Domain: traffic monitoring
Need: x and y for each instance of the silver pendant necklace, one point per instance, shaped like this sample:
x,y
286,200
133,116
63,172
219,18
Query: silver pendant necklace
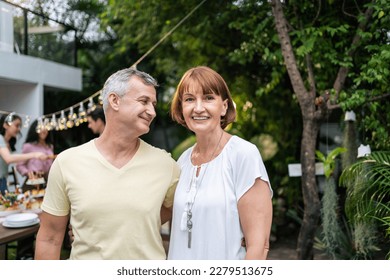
x,y
194,191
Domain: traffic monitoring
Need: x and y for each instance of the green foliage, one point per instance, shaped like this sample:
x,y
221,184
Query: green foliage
x,y
368,185
329,160
353,241
267,146
179,149
368,190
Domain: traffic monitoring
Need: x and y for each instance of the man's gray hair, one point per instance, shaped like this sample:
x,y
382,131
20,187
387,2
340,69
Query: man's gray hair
x,y
119,83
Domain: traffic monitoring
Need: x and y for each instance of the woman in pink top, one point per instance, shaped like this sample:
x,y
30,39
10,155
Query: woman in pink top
x,y
36,141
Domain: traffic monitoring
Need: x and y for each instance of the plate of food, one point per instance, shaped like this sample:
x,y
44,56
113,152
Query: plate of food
x,y
11,203
36,181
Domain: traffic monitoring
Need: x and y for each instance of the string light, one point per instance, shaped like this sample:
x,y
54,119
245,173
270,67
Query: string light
x,y
91,105
82,114
67,118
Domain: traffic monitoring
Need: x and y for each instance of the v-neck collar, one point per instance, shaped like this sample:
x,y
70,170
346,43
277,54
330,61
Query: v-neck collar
x,y
125,167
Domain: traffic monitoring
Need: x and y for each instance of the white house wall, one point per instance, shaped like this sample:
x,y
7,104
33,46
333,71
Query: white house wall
x,y
36,70
25,99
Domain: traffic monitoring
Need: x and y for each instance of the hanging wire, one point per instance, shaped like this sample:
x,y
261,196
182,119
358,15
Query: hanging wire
x,y
70,108
327,134
167,34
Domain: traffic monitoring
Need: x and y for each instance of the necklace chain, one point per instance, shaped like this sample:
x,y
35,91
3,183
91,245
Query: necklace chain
x,y
215,149
191,202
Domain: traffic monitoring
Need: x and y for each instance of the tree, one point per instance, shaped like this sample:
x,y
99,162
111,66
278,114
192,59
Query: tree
x,y
315,108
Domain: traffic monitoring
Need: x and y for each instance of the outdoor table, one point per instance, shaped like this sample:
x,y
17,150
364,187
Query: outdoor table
x,y
8,235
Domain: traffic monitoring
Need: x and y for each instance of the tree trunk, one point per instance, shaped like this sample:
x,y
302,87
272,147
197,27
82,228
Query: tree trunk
x,y
311,199
309,136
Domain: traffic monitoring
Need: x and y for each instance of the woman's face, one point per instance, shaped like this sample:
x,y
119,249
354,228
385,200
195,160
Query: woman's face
x,y
13,128
202,112
43,134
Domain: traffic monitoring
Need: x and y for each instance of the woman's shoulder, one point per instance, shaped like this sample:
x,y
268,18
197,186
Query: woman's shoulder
x,y
239,145
185,156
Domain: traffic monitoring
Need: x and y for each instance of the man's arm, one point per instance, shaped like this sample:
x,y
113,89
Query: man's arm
x,y
50,236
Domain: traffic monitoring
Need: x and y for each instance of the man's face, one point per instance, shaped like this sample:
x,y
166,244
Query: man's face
x,y
93,125
137,107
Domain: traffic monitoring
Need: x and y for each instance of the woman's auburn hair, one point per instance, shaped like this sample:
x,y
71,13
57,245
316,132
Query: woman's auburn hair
x,y
209,81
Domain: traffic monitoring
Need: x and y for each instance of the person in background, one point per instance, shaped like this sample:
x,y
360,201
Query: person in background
x,y
119,188
96,120
10,126
222,207
36,141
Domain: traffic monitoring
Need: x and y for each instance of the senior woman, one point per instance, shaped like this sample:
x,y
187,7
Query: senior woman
x,y
222,207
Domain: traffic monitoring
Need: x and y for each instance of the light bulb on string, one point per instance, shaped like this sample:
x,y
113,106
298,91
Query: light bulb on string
x,y
9,118
91,105
39,127
101,99
77,121
26,122
53,122
71,118
46,124
82,114
62,121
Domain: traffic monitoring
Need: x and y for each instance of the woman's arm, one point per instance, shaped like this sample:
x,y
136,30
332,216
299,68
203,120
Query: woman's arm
x,y
21,166
12,158
255,211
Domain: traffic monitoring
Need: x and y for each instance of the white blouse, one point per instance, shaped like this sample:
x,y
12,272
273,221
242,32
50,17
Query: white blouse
x,y
216,232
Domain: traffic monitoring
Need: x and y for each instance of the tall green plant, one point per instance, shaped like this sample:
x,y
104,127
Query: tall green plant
x,y
332,233
363,232
368,197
